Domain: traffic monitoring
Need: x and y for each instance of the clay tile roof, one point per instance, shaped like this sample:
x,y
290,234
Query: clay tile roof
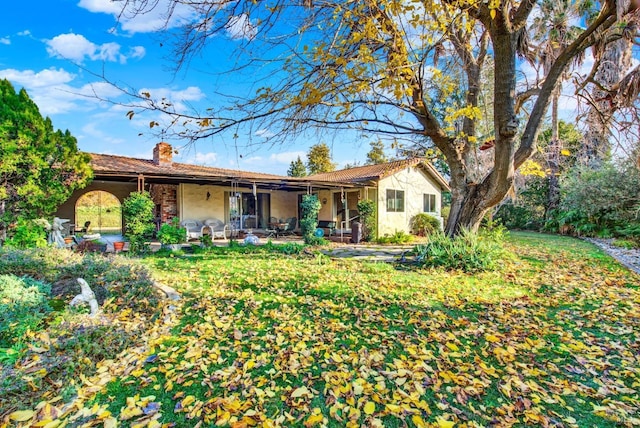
x,y
122,164
366,173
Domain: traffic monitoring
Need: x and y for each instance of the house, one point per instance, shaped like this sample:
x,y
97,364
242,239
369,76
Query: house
x,y
248,200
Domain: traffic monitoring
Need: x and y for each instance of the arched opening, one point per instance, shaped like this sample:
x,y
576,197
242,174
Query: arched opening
x,y
101,211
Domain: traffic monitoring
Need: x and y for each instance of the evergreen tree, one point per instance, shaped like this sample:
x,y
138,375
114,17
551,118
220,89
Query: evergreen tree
x,y
376,155
319,159
39,166
297,168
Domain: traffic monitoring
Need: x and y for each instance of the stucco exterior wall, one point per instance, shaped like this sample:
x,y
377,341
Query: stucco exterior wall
x,y
194,204
415,183
284,204
326,210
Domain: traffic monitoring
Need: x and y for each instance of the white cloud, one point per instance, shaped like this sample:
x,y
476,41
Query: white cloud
x,y
100,6
241,27
53,92
77,48
24,33
264,132
148,21
209,158
286,157
91,131
177,98
5,41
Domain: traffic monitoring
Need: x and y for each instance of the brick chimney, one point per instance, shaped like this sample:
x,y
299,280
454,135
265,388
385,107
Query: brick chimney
x,y
162,154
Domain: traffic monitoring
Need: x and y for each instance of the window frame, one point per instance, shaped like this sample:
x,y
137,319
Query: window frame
x,y
427,198
395,200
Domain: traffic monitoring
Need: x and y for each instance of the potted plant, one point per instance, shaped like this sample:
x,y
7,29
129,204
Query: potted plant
x,y
172,235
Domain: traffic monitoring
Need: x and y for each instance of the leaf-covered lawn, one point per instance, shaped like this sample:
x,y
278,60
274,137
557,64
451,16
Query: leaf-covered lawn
x,y
551,339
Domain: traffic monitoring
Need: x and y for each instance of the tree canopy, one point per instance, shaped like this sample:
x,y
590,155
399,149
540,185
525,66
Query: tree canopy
x,y
39,167
319,159
408,70
376,155
297,168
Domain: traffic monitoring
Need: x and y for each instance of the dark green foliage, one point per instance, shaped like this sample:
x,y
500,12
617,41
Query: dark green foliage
x,y
288,248
527,212
367,210
602,202
27,234
23,305
39,166
172,233
297,168
309,222
468,252
424,224
138,220
398,238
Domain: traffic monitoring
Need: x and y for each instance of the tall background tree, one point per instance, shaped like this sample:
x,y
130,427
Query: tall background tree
x,y
411,70
39,166
319,159
297,168
376,155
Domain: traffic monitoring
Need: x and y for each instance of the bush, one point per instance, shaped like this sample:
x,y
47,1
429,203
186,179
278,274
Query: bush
x,y
27,234
23,306
172,233
424,224
309,221
137,210
400,237
468,251
367,210
599,202
91,246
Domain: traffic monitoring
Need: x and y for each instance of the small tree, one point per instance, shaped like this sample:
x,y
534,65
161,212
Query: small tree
x,y
138,220
319,159
376,155
367,210
39,167
309,221
297,168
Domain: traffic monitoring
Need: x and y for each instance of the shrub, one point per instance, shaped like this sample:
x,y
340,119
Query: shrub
x,y
367,210
137,210
599,202
468,251
172,233
400,237
23,305
27,234
424,224
309,222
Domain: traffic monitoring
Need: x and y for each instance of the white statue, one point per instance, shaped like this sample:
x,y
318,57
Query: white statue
x,y
86,296
55,234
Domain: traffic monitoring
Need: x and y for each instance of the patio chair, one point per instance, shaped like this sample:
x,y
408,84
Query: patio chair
x,y
292,222
217,228
194,229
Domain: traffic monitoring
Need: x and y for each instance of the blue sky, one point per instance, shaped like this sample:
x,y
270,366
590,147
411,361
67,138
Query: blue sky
x,y
54,49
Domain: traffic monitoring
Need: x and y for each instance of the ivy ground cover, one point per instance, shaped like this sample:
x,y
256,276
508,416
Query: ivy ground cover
x,y
552,338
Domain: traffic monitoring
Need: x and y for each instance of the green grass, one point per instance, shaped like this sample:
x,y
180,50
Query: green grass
x,y
550,337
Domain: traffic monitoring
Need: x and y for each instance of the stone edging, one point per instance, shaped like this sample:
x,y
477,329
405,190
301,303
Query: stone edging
x,y
627,258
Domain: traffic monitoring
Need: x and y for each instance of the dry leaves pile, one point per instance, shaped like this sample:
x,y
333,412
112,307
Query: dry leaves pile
x,y
272,341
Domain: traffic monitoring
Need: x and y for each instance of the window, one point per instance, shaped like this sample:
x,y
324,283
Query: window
x,y
395,200
429,203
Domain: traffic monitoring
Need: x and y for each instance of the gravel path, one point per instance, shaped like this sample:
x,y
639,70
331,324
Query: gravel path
x,y
628,258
